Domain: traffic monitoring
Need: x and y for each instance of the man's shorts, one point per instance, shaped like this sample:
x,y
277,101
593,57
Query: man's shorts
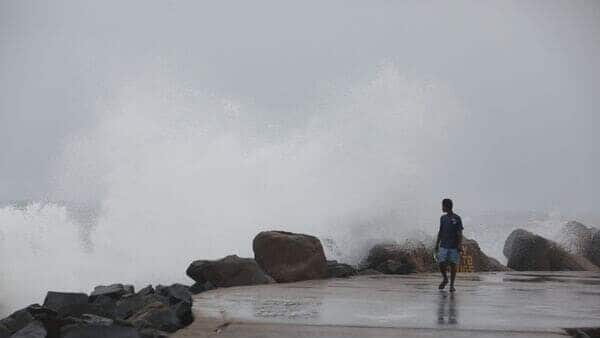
x,y
446,255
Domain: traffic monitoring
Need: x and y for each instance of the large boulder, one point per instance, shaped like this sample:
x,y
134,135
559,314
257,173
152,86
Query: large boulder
x,y
526,251
17,320
56,300
390,258
114,291
226,272
290,257
127,306
175,293
157,316
476,260
581,240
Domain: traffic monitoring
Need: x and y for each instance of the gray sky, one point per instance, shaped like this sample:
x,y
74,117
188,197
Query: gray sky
x,y
526,73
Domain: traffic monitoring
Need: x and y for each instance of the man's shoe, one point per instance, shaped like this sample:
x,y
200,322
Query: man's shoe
x,y
452,289
443,284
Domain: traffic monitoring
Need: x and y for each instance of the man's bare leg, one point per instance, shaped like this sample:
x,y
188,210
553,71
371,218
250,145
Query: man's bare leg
x,y
443,270
452,277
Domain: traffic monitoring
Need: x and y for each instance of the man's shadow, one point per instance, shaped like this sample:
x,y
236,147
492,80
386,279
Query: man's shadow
x,y
447,309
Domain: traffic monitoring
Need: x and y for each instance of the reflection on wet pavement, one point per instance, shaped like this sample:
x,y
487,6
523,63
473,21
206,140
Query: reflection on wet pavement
x,y
447,309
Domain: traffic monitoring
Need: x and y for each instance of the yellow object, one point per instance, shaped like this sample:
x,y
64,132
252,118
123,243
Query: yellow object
x,y
466,261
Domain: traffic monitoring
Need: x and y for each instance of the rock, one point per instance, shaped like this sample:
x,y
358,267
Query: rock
x,y
85,330
114,291
529,252
593,253
56,300
183,311
158,316
390,259
175,293
35,329
152,333
78,310
417,256
127,306
201,287
577,239
478,261
229,271
339,270
4,332
148,290
290,257
17,320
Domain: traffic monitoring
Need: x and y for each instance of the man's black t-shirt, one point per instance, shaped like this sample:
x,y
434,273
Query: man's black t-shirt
x,y
450,225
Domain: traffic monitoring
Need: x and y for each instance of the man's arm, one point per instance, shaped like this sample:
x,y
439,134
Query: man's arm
x,y
437,241
460,235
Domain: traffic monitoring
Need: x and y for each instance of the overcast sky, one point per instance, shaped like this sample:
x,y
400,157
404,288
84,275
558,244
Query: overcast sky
x,y
527,74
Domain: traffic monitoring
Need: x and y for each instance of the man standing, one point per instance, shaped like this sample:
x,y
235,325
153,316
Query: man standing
x,y
448,243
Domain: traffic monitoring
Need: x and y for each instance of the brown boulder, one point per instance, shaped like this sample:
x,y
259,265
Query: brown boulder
x,y
226,272
475,260
529,252
290,257
390,258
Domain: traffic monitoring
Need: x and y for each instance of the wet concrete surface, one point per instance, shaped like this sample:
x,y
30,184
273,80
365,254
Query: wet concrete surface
x,y
485,305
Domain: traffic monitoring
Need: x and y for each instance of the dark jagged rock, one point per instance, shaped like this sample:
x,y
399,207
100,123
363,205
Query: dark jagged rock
x,y
148,290
87,330
127,306
152,333
35,329
78,310
114,291
339,270
175,293
201,287
229,271
4,332
56,300
183,311
17,320
529,252
290,257
157,316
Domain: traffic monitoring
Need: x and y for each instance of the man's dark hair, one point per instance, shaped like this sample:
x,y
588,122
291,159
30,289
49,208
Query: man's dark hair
x,y
447,203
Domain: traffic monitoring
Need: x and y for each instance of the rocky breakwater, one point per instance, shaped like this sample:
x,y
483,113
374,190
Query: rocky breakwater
x,y
109,311
527,251
414,256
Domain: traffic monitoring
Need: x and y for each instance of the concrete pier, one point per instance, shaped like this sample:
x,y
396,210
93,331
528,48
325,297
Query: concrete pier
x,y
512,304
